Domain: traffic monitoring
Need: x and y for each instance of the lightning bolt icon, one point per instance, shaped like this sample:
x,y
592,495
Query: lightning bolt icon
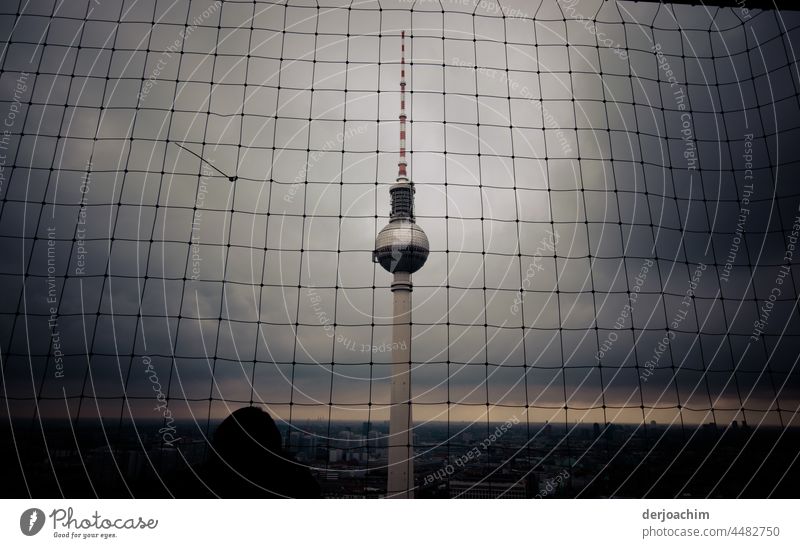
x,y
34,516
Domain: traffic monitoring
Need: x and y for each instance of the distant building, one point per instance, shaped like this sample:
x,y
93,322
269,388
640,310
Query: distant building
x,y
487,490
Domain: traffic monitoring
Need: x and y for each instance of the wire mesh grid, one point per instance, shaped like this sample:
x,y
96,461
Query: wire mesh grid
x,y
191,191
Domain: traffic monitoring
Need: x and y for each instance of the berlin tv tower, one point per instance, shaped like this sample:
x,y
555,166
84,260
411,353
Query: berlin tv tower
x,y
401,248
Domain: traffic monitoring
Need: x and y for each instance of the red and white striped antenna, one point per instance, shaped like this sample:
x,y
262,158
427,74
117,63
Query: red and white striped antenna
x,y
401,165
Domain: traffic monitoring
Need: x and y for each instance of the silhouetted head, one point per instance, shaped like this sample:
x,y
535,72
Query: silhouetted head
x,y
248,434
246,460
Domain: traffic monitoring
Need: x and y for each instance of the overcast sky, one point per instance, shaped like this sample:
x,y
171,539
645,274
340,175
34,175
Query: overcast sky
x,y
614,140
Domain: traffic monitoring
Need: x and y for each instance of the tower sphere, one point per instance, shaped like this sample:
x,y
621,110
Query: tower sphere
x,y
401,246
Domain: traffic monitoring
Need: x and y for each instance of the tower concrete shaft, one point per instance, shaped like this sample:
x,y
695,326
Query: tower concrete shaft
x,y
401,447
